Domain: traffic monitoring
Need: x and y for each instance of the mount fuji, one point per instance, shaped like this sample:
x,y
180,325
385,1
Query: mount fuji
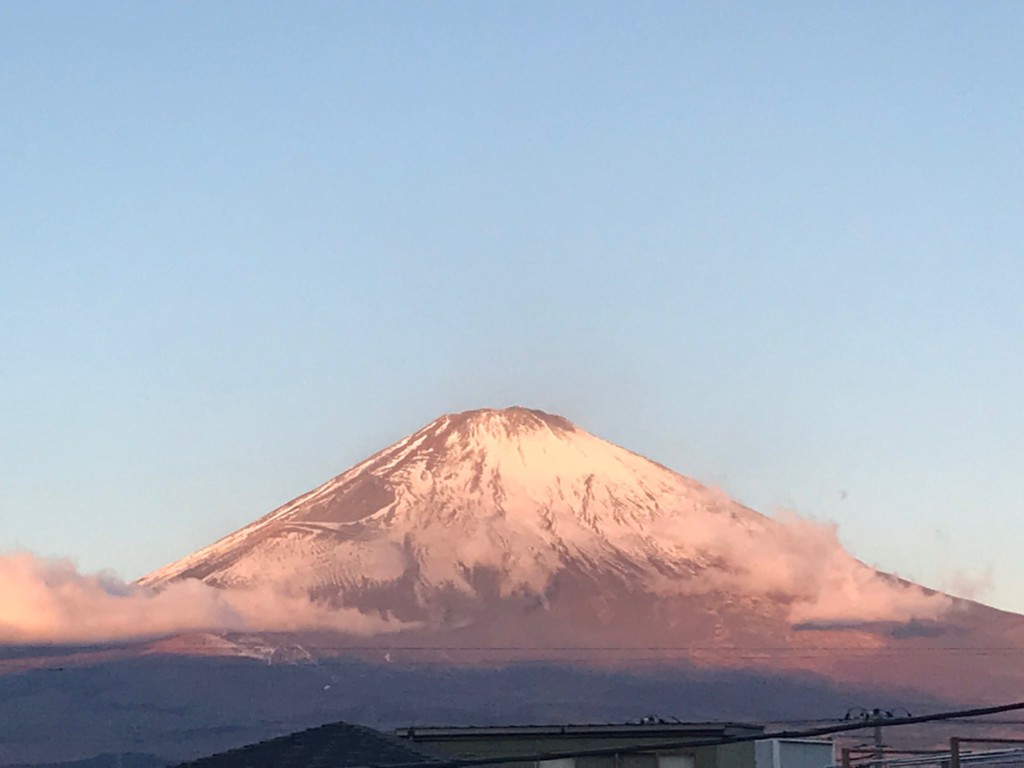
x,y
514,534
509,504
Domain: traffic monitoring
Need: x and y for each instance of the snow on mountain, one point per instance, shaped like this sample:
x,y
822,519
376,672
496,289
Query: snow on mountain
x,y
498,503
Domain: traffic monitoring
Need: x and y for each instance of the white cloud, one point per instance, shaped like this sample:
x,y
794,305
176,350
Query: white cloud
x,y
49,601
803,562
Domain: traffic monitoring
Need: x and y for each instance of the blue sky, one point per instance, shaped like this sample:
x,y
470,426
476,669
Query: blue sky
x,y
777,247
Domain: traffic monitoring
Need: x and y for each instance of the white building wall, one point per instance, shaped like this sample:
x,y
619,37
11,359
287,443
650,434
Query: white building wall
x,y
793,753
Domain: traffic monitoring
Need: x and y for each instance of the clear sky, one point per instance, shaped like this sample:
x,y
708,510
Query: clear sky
x,y
778,247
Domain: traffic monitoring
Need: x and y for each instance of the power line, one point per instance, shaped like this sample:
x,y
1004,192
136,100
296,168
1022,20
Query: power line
x,y
988,722
654,649
988,758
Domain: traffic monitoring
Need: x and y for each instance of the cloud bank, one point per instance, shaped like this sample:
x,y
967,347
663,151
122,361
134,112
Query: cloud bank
x,y
49,601
801,562
788,559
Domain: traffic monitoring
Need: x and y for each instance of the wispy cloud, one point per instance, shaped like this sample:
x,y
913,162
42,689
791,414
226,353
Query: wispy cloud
x,y
972,586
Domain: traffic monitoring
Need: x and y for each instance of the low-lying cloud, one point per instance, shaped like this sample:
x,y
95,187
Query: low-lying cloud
x,y
803,563
788,559
46,600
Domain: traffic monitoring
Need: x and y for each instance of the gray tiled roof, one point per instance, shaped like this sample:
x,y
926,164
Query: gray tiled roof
x,y
335,745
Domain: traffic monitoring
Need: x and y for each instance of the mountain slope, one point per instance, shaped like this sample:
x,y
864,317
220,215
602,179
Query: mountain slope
x,y
508,504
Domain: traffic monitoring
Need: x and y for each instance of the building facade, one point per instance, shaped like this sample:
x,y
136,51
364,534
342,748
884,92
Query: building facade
x,y
507,743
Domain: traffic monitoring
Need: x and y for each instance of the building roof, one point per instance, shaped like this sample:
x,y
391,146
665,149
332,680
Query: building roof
x,y
335,745
647,729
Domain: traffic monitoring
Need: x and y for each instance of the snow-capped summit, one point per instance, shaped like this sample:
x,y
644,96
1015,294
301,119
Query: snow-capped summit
x,y
515,490
491,505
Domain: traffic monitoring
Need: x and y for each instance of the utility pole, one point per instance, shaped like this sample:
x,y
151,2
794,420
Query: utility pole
x,y
879,747
876,717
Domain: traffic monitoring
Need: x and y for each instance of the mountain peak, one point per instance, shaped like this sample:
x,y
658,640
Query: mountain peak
x,y
515,489
513,420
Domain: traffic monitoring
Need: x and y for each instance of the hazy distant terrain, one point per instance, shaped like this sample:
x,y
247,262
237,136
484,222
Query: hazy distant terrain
x,y
183,707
